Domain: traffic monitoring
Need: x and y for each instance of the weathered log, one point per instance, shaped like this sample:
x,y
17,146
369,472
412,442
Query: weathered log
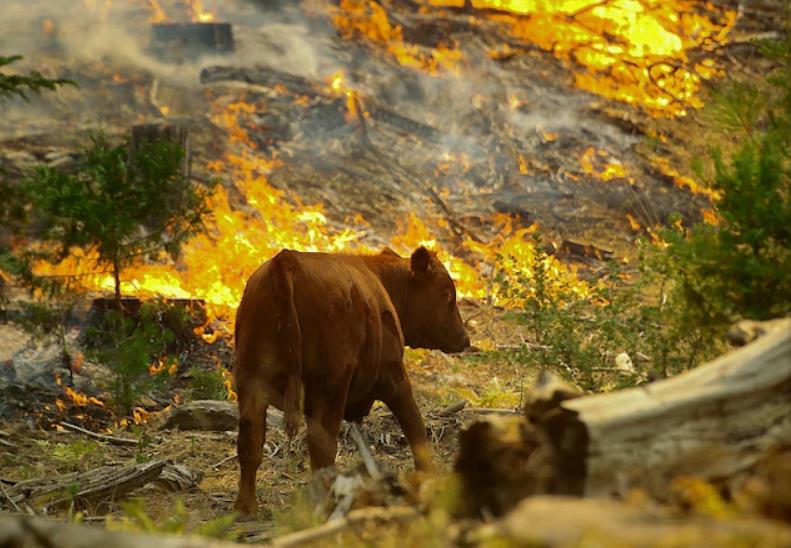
x,y
715,422
100,486
566,521
34,532
177,477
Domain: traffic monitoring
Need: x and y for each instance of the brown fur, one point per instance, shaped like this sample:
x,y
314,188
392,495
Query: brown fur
x,y
330,329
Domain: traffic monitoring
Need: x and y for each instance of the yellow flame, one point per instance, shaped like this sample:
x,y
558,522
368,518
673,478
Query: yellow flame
x,y
634,224
215,266
198,13
611,169
682,181
158,14
338,86
368,18
630,50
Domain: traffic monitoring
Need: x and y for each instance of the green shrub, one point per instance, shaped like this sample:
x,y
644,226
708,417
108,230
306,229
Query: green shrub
x,y
207,385
177,522
626,311
741,268
109,200
135,353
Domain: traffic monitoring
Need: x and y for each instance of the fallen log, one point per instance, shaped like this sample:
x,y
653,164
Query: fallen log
x,y
566,521
26,531
100,486
715,423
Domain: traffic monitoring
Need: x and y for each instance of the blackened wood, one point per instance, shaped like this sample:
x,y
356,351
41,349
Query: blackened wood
x,y
184,41
152,133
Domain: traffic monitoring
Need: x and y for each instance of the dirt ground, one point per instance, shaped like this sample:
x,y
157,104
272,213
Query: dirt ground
x,y
486,380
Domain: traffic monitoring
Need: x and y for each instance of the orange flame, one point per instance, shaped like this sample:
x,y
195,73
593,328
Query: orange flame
x,y
682,181
198,13
367,18
634,51
158,15
612,168
337,86
215,266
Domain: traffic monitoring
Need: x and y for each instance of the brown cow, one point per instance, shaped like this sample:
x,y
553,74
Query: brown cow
x,y
332,328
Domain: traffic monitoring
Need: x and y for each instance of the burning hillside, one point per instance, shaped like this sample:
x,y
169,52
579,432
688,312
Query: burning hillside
x,y
439,124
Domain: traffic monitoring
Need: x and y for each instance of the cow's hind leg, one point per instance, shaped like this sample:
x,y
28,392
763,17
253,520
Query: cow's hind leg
x,y
402,403
250,444
324,410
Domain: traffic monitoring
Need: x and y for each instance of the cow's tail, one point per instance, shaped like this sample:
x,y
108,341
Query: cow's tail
x,y
290,336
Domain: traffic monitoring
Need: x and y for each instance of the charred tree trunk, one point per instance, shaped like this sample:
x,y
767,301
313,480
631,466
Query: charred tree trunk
x,y
151,133
715,423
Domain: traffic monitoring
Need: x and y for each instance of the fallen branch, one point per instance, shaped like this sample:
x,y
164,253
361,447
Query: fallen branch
x,y
223,461
354,518
451,409
363,447
103,437
8,497
94,487
491,411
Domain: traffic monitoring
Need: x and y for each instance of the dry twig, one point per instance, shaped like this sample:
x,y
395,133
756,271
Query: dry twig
x,y
109,439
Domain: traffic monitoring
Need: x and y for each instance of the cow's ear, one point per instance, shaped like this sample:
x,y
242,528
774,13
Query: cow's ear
x,y
389,252
420,261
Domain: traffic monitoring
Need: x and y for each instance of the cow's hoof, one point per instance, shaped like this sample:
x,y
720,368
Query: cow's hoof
x,y
245,511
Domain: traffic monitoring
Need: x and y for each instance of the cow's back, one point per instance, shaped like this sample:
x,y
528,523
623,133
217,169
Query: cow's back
x,y
339,305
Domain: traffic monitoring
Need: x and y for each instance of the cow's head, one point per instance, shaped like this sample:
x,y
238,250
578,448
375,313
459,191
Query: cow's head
x,y
431,316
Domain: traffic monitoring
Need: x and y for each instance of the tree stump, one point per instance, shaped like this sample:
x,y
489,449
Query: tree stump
x,y
716,423
186,41
152,133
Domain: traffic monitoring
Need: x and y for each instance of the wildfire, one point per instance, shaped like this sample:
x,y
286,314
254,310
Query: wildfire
x,y
682,181
337,86
158,15
76,398
198,13
215,266
367,18
634,51
611,169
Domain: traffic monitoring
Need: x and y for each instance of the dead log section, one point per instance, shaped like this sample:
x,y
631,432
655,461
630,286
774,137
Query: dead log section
x,y
25,531
94,487
567,521
715,423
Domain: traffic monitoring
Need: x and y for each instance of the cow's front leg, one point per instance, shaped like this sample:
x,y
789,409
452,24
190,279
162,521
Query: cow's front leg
x,y
402,403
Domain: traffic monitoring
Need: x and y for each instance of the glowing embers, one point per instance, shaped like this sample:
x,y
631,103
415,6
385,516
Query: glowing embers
x,y
369,19
338,86
601,165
